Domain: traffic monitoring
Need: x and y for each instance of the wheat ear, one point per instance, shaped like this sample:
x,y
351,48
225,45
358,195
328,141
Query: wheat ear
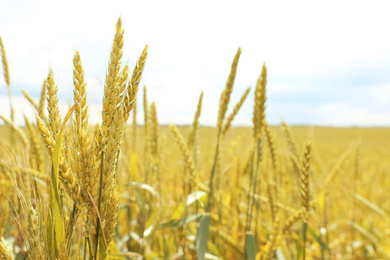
x,y
190,165
5,63
259,107
191,140
153,130
133,86
304,189
329,178
110,140
66,176
292,144
225,96
7,81
271,145
237,107
52,105
36,249
294,218
30,99
42,99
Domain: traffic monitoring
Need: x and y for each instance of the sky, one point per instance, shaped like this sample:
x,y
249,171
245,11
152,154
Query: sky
x,y
328,63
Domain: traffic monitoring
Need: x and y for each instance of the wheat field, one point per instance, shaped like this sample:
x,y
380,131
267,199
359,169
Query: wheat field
x,y
124,189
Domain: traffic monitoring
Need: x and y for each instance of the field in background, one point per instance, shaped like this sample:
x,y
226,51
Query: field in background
x,y
355,218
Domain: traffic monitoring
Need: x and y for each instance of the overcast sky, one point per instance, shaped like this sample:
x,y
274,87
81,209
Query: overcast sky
x,y
328,63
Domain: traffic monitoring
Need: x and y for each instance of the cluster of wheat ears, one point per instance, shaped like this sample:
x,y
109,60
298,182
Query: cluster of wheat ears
x,y
73,190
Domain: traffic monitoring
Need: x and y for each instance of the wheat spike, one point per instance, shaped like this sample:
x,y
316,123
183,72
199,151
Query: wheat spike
x,y
41,107
329,178
225,96
112,81
30,99
294,218
112,121
7,81
110,138
271,145
193,134
190,165
86,166
259,107
52,105
112,124
80,90
66,176
304,189
237,107
5,63
292,144
36,250
132,88
124,79
153,130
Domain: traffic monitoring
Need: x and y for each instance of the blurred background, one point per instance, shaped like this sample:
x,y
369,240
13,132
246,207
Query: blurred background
x,y
328,63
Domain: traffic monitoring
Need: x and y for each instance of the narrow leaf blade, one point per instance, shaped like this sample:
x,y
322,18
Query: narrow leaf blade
x,y
202,237
250,246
